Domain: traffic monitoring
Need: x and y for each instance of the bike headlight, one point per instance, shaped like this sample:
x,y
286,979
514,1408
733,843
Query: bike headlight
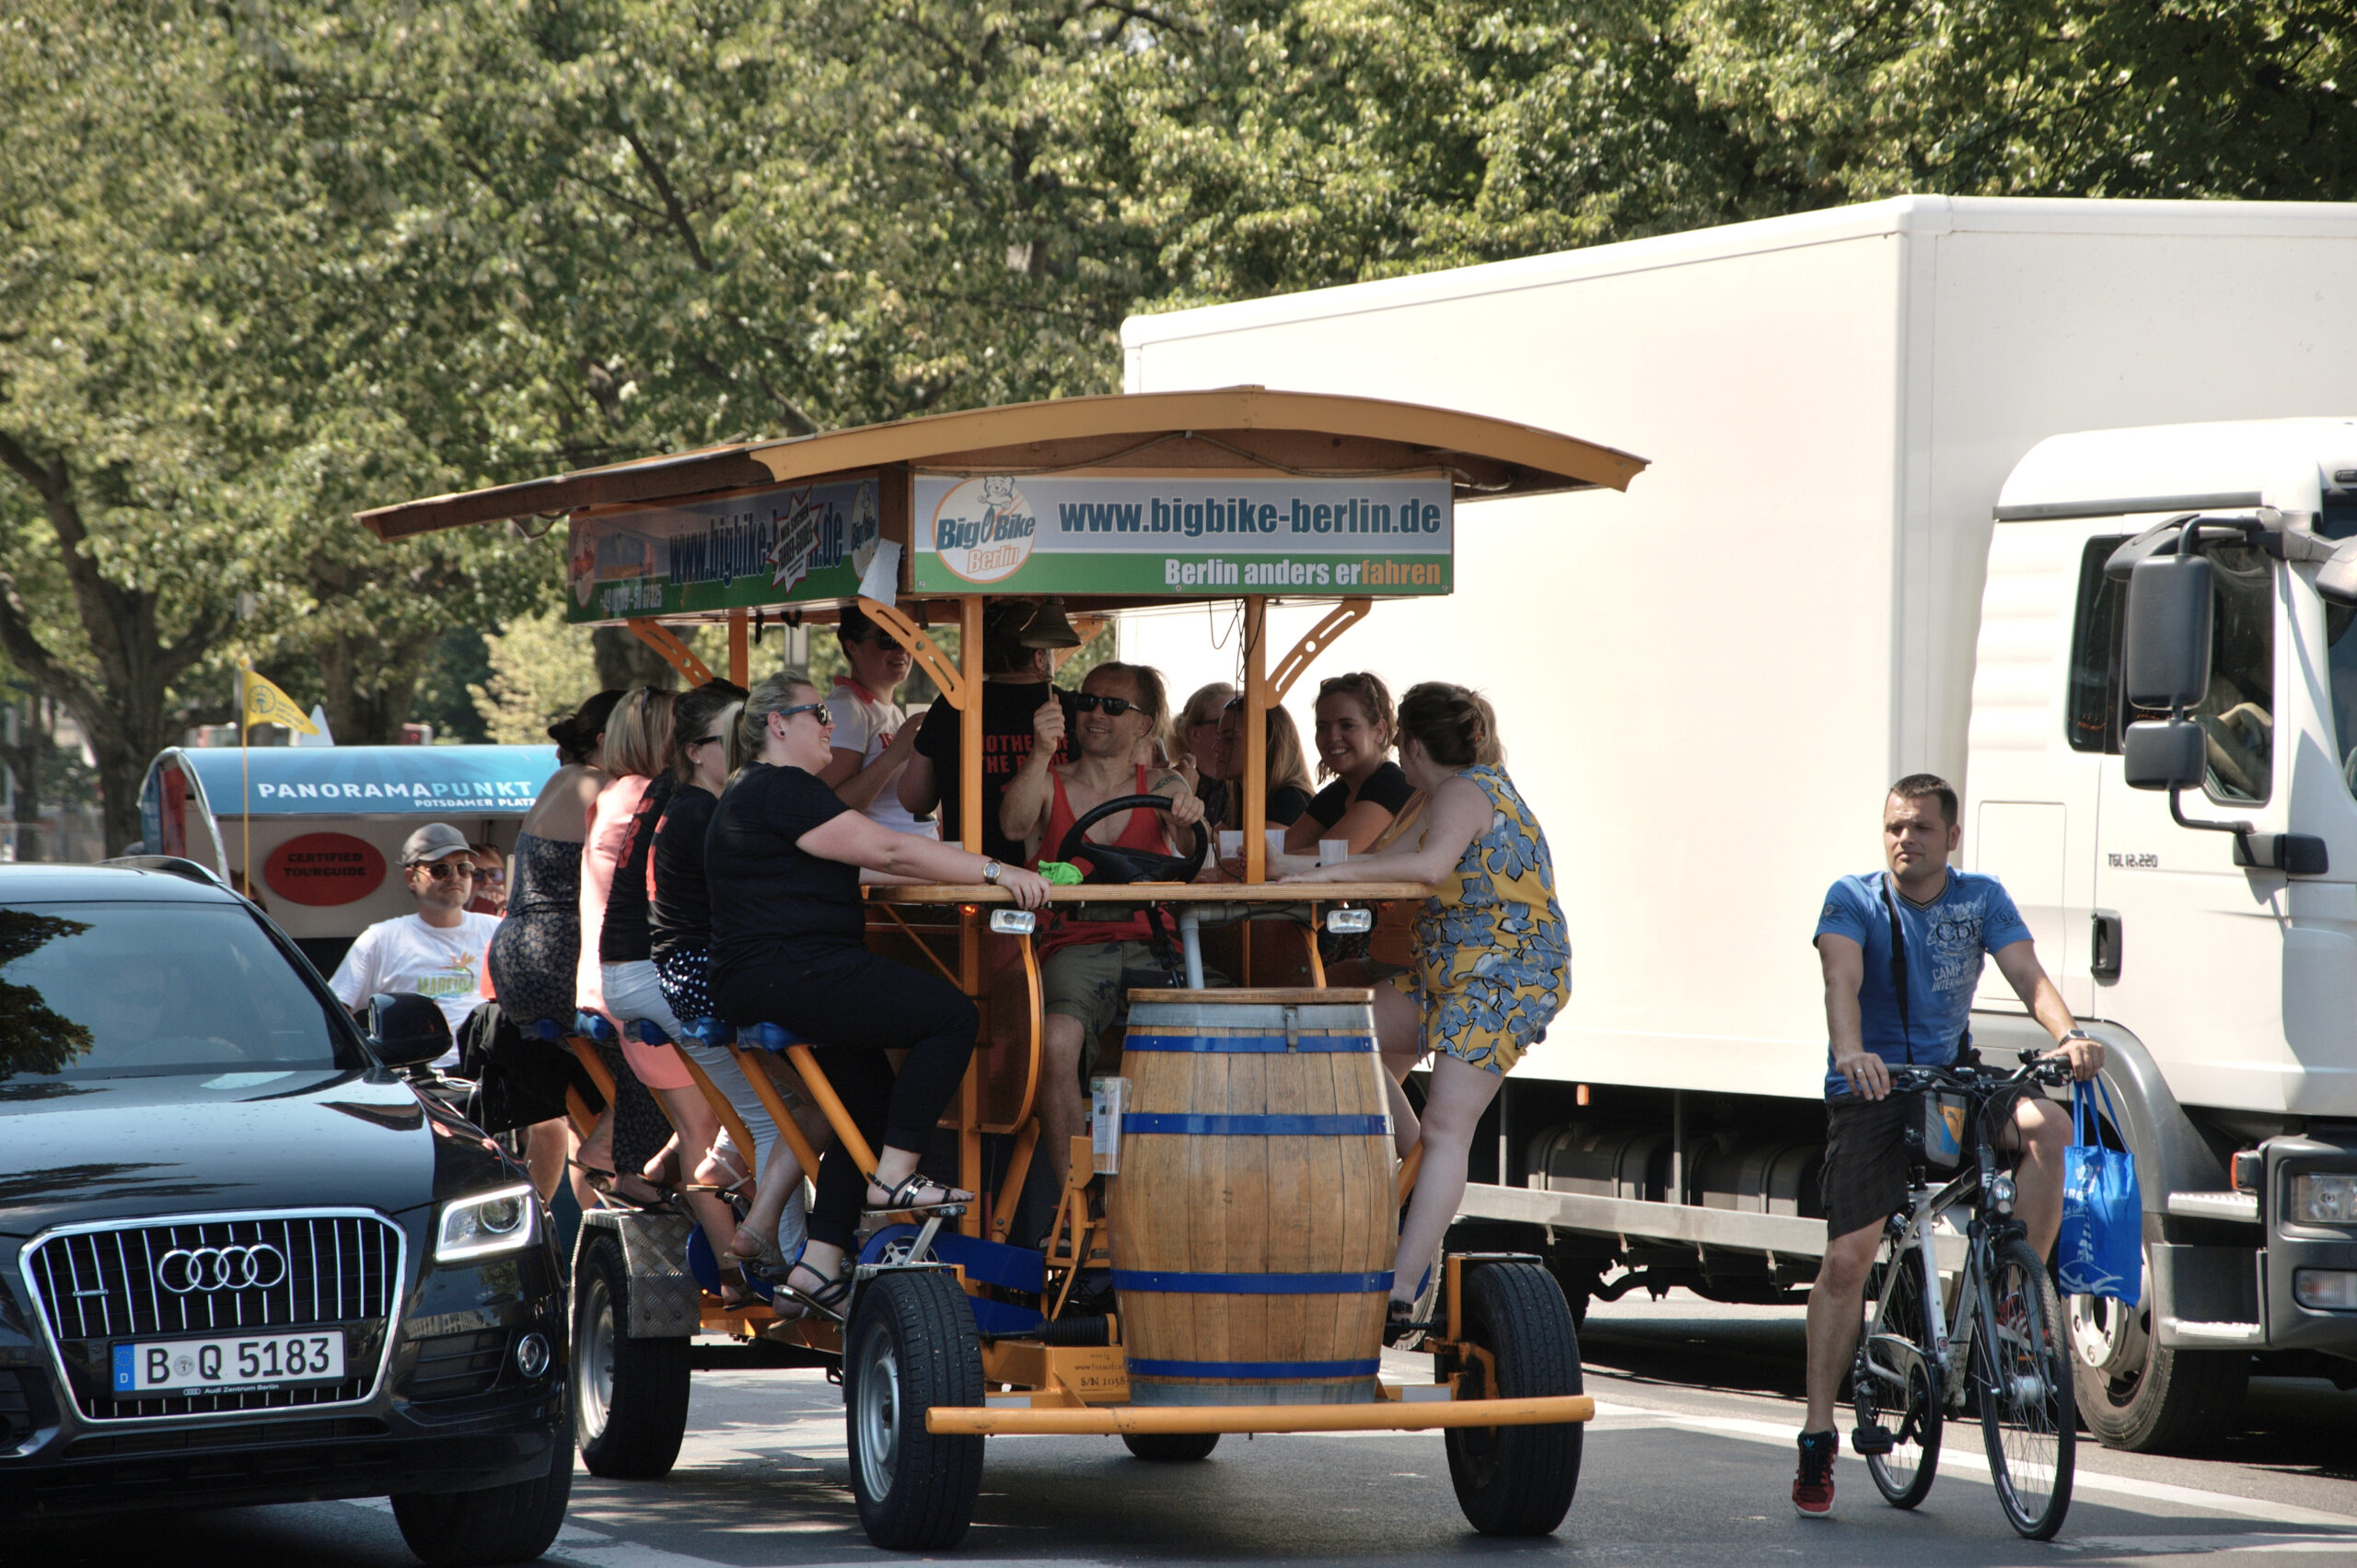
x,y
487,1224
2324,1197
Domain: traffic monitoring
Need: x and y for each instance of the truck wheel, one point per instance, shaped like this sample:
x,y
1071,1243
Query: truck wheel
x,y
630,1396
1171,1446
2135,1394
1516,1480
912,1347
501,1524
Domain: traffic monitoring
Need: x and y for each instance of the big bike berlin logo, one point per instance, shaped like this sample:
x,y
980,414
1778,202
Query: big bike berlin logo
x,y
186,1271
983,530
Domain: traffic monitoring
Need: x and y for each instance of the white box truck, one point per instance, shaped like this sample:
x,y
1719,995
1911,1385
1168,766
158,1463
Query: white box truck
x,y
1894,448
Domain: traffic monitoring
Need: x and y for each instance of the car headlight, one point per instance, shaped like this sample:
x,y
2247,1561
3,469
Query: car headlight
x,y
486,1224
2324,1197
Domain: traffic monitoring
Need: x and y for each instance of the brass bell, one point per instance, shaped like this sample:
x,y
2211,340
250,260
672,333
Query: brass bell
x,y
1047,627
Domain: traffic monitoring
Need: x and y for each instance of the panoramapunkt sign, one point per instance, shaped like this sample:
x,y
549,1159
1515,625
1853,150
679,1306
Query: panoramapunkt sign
x,y
1078,534
794,543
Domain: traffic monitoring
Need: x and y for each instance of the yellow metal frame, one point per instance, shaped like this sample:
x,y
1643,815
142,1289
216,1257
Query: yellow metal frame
x,y
1382,1415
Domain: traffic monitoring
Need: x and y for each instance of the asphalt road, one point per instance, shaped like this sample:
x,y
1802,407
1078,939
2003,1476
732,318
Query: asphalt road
x,y
1689,1462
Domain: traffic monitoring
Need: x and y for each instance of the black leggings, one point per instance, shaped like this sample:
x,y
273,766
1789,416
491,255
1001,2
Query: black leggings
x,y
851,1005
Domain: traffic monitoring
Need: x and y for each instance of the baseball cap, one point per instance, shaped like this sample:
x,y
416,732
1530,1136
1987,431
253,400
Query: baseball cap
x,y
435,841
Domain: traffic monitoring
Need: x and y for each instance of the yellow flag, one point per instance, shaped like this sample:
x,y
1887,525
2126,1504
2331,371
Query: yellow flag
x,y
262,703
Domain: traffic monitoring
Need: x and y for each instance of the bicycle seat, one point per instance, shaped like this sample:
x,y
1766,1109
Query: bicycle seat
x,y
544,1029
768,1036
711,1032
593,1026
649,1032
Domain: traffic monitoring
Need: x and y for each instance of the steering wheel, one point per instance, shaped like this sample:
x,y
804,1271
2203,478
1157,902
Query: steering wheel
x,y
1115,864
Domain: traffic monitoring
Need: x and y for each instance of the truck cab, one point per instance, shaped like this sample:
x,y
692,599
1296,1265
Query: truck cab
x,y
2206,932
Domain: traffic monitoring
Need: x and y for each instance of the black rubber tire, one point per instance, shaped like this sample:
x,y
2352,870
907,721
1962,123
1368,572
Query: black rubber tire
x,y
1171,1447
1904,1476
630,1397
911,1346
2154,1400
1518,1481
2021,1437
502,1524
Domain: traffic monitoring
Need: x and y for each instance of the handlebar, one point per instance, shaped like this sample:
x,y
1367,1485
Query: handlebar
x,y
1983,1080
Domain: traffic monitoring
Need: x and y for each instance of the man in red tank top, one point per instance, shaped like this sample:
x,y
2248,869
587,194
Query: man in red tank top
x,y
1121,709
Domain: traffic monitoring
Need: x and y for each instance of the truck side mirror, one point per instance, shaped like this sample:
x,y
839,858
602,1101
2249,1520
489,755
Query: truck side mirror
x,y
406,1031
2168,632
2337,578
2165,754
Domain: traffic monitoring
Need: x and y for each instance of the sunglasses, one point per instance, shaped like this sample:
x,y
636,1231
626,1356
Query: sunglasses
x,y
1089,701
443,873
826,719
706,741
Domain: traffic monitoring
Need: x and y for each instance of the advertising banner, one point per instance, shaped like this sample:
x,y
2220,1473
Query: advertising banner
x,y
1086,534
790,545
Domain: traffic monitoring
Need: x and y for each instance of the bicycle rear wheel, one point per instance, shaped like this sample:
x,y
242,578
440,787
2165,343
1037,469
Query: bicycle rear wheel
x,y
1893,1387
2028,1415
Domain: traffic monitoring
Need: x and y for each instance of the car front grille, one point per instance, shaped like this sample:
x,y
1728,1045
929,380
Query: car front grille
x,y
99,1288
451,1366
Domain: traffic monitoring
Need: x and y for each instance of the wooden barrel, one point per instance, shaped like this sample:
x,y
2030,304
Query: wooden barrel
x,y
1254,1219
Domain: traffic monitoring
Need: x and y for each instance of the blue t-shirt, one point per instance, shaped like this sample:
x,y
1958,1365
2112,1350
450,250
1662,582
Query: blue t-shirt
x,y
1946,942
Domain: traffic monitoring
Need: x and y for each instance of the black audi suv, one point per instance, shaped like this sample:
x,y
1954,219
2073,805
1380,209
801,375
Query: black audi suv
x,y
241,1259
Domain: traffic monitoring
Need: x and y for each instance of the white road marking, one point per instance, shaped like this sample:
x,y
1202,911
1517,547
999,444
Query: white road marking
x,y
2207,1546
1633,1417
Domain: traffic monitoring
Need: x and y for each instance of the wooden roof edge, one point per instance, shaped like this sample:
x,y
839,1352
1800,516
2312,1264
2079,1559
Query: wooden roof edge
x,y
1556,461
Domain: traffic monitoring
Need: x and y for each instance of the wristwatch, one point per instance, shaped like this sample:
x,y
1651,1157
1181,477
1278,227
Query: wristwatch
x,y
2070,1035
991,869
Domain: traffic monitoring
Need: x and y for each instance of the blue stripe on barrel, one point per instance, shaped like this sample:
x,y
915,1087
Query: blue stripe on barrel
x,y
1248,1044
1254,1368
1174,1283
1187,1126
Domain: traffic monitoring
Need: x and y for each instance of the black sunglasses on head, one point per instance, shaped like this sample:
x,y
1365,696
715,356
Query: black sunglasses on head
x,y
1088,701
442,871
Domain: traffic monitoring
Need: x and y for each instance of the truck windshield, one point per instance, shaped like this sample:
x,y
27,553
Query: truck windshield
x,y
110,989
2341,630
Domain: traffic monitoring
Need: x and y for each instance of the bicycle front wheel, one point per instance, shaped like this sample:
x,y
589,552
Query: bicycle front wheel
x,y
1894,1386
2022,1369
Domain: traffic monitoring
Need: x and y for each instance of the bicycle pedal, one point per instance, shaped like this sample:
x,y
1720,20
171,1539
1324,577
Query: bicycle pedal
x,y
1869,1441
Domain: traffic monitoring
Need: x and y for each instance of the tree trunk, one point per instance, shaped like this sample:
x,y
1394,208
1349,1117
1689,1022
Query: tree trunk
x,y
26,756
367,686
121,708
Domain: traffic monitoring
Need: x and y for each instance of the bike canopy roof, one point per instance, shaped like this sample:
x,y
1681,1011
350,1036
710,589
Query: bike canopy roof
x,y
1108,501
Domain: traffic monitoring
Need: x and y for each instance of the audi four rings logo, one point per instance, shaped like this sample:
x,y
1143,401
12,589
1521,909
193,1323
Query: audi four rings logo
x,y
183,1271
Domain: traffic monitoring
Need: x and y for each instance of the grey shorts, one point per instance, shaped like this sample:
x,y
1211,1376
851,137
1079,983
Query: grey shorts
x,y
1090,981
1865,1176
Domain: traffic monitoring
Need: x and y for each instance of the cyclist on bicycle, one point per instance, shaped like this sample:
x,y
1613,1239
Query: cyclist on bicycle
x,y
1911,1001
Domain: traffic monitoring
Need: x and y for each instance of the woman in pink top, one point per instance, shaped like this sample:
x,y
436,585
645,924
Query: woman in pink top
x,y
616,977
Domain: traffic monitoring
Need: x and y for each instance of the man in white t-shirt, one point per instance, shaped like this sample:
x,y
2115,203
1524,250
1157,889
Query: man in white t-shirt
x,y
438,951
873,738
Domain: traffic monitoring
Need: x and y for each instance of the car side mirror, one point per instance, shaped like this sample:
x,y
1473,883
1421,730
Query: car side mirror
x,y
2165,754
2168,632
2337,578
406,1031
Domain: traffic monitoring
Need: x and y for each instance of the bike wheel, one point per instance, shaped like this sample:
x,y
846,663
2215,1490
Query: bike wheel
x,y
1894,1385
2022,1369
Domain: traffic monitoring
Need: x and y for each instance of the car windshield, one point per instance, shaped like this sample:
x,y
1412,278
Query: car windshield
x,y
106,990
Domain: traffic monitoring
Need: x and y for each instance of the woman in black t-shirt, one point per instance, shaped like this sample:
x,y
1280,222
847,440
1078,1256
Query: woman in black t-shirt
x,y
783,858
1287,795
1356,730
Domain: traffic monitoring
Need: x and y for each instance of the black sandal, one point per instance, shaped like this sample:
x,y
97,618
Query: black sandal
x,y
607,1184
901,1199
830,1300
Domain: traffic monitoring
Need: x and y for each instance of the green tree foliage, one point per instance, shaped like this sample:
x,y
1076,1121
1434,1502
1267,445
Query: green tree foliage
x,y
271,263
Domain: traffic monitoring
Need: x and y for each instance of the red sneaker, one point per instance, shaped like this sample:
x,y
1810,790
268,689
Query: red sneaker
x,y
1813,1487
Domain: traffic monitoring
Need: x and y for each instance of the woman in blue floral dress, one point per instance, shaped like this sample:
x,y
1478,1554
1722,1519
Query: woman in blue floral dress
x,y
1494,963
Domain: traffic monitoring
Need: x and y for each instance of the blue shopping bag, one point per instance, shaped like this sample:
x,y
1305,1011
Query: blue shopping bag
x,y
2102,1250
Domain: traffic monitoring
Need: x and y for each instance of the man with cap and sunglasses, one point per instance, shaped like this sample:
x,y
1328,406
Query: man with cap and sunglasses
x,y
438,951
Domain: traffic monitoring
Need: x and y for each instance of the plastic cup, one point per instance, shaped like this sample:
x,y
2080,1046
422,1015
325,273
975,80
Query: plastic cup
x,y
1276,837
1333,852
1231,843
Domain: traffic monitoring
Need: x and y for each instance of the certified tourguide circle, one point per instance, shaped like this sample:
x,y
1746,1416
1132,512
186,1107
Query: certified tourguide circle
x,y
184,1271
